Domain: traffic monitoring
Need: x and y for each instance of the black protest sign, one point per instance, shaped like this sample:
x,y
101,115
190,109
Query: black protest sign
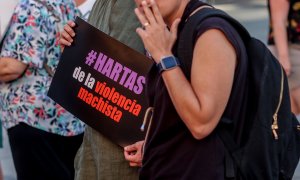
x,y
102,82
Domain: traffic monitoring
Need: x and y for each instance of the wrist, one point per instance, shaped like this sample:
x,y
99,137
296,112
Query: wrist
x,y
167,63
283,58
158,57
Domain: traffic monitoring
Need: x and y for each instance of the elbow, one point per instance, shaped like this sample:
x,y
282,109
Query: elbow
x,y
202,124
200,133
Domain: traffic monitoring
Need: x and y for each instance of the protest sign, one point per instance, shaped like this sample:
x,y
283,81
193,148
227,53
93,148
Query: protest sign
x,y
102,82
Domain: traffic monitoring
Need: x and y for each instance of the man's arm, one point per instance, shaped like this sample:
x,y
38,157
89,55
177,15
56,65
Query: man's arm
x,y
10,69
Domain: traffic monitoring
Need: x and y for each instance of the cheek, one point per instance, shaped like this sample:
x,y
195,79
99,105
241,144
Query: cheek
x,y
163,12
162,6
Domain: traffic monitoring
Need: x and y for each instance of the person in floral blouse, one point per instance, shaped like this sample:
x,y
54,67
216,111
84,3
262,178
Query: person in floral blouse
x,y
43,136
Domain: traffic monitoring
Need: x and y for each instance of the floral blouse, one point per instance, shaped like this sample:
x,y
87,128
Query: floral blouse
x,y
293,25
33,39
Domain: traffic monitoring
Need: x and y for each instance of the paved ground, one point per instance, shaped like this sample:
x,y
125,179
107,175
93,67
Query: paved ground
x,y
252,14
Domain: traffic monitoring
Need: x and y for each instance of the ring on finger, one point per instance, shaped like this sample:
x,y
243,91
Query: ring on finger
x,y
146,24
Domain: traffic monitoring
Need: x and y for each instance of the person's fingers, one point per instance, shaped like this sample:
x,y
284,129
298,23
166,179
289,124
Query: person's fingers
x,y
69,30
71,23
142,33
141,17
127,155
64,42
132,164
148,13
131,158
130,148
156,12
66,36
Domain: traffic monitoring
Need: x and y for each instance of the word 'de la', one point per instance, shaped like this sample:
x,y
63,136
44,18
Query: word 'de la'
x,y
80,76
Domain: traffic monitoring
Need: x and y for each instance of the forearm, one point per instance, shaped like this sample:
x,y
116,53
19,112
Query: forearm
x,y
191,108
10,69
199,103
7,78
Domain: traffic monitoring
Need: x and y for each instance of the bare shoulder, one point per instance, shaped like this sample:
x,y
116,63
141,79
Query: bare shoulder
x,y
213,44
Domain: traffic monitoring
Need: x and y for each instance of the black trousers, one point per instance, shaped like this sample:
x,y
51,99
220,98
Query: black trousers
x,y
39,155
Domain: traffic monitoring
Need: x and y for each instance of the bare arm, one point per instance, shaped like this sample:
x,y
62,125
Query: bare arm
x,y
10,69
202,102
204,99
279,15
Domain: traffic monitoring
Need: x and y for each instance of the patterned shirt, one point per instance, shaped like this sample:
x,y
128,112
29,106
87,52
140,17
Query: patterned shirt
x,y
33,39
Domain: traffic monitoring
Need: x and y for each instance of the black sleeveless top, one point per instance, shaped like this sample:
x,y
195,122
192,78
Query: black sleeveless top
x,y
171,152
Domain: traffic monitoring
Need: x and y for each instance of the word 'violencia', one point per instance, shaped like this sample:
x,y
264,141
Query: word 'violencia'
x,y
107,95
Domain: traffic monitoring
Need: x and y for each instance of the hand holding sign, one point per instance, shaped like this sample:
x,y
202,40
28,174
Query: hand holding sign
x,y
101,81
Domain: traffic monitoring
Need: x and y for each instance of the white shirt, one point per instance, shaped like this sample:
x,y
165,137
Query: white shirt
x,y
85,8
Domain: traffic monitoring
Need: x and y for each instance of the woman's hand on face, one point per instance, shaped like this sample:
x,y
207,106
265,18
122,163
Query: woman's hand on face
x,y
157,38
67,35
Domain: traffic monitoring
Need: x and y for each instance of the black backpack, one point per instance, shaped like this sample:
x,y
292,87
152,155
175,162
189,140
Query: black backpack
x,y
271,147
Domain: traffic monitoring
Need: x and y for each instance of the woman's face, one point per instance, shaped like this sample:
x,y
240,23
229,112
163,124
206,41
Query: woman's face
x,y
168,8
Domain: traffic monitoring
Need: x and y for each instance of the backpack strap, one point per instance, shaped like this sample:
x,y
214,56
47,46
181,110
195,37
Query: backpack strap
x,y
232,158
